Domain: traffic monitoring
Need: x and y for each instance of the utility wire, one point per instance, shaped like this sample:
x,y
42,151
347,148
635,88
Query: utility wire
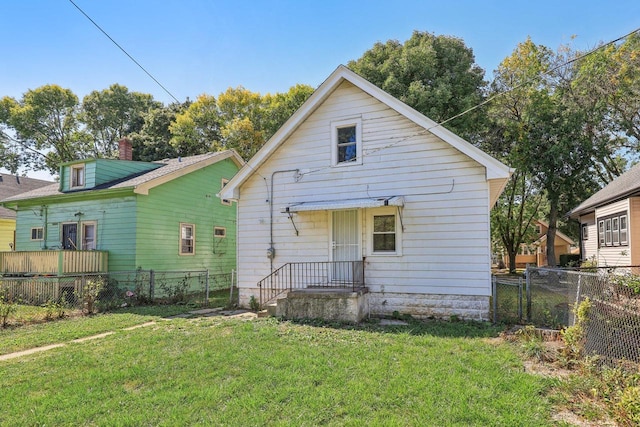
x,y
125,52
486,101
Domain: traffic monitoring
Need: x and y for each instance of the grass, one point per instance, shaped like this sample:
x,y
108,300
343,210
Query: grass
x,y
217,371
37,334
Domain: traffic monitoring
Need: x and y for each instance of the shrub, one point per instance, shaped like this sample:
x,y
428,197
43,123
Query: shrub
x,y
629,405
567,260
574,336
90,293
7,308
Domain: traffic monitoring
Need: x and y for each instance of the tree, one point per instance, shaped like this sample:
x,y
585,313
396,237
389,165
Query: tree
x,y
197,129
46,127
238,119
111,114
436,75
153,141
542,132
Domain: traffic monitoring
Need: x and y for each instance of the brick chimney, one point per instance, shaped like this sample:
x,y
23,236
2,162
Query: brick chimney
x,y
126,151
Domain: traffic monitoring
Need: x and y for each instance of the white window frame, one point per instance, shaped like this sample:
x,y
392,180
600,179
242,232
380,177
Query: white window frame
x,y
371,213
39,231
219,236
624,231
78,176
223,183
83,235
183,226
607,232
615,231
585,231
601,239
335,125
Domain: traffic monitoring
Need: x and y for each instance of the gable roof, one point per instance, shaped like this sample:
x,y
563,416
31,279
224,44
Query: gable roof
x,y
559,234
13,185
626,185
495,170
141,183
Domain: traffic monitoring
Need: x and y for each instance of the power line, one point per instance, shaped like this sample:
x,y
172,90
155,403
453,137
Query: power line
x,y
125,52
425,131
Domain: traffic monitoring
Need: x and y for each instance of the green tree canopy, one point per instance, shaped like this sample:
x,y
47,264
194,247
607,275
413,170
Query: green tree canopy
x,y
436,75
111,114
46,126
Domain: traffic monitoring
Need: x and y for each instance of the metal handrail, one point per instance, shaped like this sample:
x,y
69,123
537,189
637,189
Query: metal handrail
x,y
301,275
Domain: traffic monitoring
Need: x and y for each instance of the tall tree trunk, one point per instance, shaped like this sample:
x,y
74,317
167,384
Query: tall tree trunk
x,y
551,234
513,252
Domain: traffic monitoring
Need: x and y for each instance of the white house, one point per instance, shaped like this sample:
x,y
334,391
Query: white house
x,y
357,176
610,222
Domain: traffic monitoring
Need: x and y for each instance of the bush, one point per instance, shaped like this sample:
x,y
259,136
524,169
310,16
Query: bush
x,y
7,308
568,260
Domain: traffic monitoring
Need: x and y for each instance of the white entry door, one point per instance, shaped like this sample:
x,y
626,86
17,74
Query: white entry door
x,y
345,243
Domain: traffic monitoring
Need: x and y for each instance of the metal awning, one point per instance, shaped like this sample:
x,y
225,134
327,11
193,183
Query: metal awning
x,y
331,205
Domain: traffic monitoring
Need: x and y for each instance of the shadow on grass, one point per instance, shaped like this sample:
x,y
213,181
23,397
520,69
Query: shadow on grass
x,y
436,328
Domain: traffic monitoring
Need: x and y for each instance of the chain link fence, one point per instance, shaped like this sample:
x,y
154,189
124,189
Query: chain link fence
x,y
549,297
124,288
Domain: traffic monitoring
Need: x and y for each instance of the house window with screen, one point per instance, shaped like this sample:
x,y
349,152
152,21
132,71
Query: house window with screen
x,y
37,233
347,142
220,232
613,230
77,176
88,236
384,232
187,239
585,231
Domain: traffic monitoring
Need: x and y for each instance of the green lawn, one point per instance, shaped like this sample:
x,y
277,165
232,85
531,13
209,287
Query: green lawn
x,y
220,371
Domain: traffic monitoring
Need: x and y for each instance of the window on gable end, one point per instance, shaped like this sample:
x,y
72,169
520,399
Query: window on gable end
x,y
346,142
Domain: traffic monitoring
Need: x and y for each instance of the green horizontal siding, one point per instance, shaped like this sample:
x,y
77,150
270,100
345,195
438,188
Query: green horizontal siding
x,y
188,199
115,219
108,170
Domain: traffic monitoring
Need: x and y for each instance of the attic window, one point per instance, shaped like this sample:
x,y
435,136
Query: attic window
x,y
346,138
77,176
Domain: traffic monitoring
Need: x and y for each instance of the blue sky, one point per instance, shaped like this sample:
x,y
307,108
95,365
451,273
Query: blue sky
x,y
205,46
198,46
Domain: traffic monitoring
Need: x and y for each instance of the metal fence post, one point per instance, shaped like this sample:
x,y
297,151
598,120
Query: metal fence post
x,y
152,284
528,284
494,291
520,298
206,288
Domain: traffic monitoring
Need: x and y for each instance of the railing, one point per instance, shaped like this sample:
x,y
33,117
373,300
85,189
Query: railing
x,y
53,262
301,275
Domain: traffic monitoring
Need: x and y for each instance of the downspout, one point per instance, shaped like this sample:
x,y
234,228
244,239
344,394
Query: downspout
x,y
45,210
271,251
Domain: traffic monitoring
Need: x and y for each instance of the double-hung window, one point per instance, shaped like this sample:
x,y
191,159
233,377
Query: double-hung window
x,y
346,138
612,230
77,176
384,232
187,239
37,233
88,236
223,183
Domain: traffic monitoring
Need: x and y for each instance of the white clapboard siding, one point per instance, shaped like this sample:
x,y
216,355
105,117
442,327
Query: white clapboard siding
x,y
613,255
445,245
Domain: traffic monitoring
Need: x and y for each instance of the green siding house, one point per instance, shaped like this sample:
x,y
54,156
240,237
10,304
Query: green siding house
x,y
151,215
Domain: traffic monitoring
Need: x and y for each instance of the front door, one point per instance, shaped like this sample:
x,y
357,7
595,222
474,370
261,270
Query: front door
x,y
345,243
70,236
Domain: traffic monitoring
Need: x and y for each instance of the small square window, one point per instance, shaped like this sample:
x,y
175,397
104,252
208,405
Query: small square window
x,y
187,239
37,233
220,232
77,176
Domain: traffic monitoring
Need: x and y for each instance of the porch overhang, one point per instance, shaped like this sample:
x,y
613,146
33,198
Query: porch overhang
x,y
331,205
